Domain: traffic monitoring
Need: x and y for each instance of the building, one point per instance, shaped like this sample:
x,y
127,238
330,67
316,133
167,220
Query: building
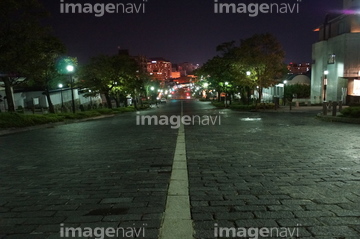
x,y
336,57
187,68
299,69
140,59
159,68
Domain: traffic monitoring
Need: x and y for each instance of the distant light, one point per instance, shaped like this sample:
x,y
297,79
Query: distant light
x,y
154,62
206,85
61,85
226,83
248,73
152,88
285,81
326,72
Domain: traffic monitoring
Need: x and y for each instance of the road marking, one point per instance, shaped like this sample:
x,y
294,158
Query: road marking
x,y
177,223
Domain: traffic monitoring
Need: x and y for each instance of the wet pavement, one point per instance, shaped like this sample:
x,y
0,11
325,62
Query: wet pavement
x,y
285,171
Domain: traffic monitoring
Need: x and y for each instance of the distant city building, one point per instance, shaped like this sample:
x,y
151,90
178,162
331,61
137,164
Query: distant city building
x,y
336,56
140,59
175,74
299,69
187,68
142,62
159,68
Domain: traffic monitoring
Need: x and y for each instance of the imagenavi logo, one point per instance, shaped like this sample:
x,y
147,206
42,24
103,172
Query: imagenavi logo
x,y
100,9
254,9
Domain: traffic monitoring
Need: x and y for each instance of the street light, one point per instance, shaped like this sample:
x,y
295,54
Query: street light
x,y
326,72
285,82
70,69
226,84
248,73
61,93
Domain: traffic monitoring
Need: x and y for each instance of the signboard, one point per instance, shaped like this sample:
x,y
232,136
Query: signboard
x,y
356,88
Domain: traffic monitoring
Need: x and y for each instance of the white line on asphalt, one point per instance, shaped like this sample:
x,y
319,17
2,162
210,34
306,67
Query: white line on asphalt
x,y
177,223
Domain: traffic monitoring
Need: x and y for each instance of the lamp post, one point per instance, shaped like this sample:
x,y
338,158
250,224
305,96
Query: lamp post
x,y
70,69
61,93
285,82
226,84
91,103
325,83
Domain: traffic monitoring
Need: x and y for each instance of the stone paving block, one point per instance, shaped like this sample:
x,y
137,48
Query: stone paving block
x,y
257,223
293,222
44,220
333,231
340,221
274,215
27,236
313,214
233,216
82,219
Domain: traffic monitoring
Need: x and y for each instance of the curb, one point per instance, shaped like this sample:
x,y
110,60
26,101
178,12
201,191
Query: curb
x,y
50,125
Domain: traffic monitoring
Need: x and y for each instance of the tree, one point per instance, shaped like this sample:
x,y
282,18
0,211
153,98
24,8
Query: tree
x,y
297,90
21,37
262,55
49,73
108,75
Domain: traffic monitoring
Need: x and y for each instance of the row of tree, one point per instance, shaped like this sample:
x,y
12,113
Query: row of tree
x,y
115,77
253,63
33,57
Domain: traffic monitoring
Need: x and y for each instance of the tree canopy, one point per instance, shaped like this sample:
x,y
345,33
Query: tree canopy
x,y
27,48
256,62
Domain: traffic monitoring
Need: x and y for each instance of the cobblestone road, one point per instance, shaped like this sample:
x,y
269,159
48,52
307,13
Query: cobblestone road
x,y
283,170
255,170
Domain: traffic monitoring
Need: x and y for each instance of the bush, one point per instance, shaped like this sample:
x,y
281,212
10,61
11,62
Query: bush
x,y
11,120
204,99
267,106
16,120
218,104
351,112
242,107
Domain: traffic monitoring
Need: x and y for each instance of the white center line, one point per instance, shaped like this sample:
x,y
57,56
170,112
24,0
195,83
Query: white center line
x,y
177,223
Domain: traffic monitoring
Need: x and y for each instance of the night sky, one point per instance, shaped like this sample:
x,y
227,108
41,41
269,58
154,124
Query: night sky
x,y
185,30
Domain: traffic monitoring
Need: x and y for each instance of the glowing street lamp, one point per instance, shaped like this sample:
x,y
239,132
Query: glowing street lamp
x,y
248,73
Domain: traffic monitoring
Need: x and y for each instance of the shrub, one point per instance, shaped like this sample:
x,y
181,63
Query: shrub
x,y
10,120
242,107
218,104
351,112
